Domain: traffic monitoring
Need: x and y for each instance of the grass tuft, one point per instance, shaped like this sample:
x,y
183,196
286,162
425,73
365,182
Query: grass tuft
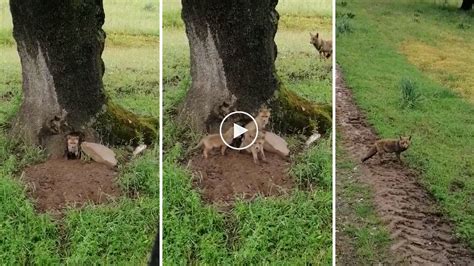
x,y
410,97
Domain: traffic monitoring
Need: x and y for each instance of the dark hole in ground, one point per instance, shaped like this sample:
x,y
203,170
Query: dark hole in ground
x,y
56,184
222,179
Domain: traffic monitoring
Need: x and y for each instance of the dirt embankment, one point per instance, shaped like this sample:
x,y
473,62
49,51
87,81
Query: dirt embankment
x,y
56,184
222,179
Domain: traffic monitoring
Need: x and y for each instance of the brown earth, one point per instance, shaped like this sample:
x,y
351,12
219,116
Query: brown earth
x,y
56,184
419,232
222,179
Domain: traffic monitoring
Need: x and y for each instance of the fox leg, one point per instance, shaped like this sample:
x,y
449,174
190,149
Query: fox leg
x,y
398,156
255,156
380,152
205,152
223,149
263,155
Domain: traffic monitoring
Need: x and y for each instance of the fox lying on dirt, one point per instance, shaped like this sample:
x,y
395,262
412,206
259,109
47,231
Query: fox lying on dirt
x,y
396,146
215,141
323,47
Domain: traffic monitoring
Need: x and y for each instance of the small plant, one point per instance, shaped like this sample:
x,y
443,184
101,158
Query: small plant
x,y
343,23
410,96
463,26
149,7
342,3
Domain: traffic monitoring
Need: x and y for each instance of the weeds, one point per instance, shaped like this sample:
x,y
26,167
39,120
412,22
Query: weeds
x,y
314,166
344,23
410,97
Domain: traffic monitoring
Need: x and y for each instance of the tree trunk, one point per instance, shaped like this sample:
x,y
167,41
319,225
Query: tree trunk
x,y
467,5
232,58
60,44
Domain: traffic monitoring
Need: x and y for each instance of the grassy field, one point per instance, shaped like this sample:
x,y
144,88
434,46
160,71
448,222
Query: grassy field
x,y
289,230
423,50
121,232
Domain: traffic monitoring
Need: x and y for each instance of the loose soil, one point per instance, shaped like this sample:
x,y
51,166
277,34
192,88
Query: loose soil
x,y
222,179
419,232
56,184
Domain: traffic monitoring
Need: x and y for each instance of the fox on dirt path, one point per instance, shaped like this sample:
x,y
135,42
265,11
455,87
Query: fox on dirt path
x,y
396,146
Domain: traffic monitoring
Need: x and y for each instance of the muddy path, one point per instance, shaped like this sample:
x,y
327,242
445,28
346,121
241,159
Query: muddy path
x,y
419,232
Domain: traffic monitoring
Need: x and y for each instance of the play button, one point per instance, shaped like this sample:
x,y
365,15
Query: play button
x,y
238,130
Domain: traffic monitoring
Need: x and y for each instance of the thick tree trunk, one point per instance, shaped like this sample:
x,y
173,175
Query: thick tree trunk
x,y
467,4
60,43
232,58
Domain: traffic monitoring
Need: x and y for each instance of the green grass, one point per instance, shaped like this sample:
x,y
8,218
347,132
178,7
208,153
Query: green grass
x,y
361,238
122,18
442,124
119,233
295,15
291,230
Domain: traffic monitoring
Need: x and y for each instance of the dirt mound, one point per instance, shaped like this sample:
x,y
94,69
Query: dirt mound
x,y
420,234
56,184
222,179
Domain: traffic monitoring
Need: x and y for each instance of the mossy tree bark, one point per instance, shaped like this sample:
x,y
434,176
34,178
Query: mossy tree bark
x,y
467,5
232,58
60,44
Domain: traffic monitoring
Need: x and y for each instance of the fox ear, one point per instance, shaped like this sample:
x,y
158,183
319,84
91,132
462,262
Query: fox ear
x,y
400,137
317,35
311,34
409,138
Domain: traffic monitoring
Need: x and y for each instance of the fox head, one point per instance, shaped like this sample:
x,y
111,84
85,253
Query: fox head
x,y
264,115
315,40
259,144
73,143
404,142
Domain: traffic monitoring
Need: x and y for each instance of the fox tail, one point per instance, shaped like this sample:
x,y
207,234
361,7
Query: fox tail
x,y
371,153
199,145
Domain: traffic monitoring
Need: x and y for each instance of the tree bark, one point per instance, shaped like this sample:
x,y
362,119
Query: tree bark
x,y
60,44
232,58
467,5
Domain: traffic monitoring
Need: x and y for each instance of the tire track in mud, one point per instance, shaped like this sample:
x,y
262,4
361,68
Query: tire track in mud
x,y
419,232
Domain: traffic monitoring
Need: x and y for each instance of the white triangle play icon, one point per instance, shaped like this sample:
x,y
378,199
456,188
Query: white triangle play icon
x,y
238,130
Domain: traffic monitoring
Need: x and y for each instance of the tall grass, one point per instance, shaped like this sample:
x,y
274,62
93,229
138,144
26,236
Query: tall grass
x,y
410,96
294,14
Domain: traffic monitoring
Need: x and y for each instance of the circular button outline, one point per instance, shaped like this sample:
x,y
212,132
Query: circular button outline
x,y
240,148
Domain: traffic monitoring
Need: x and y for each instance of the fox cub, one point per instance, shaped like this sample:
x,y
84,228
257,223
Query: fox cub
x,y
215,141
257,147
73,145
396,146
323,47
262,120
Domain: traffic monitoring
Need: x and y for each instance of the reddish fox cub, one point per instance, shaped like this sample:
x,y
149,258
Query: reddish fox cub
x,y
396,146
73,146
324,47
262,120
215,141
257,147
